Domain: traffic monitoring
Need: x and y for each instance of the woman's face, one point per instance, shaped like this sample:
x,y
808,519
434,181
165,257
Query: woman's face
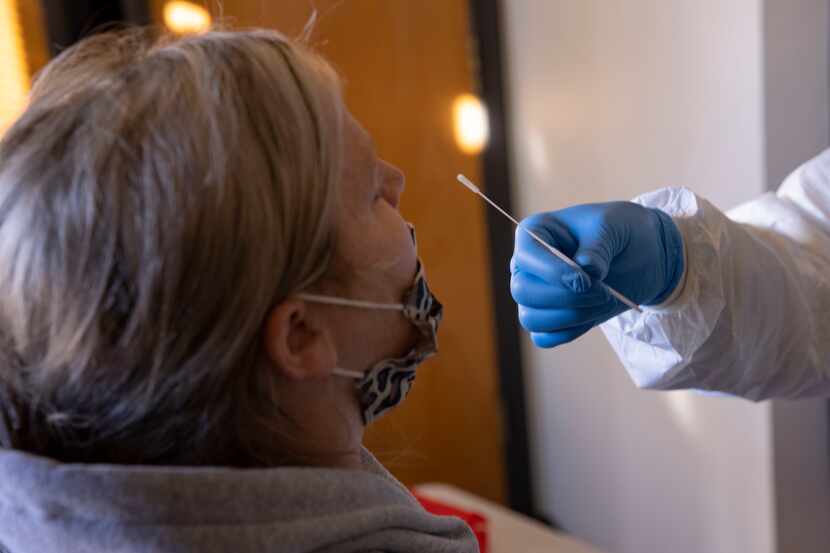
x,y
375,260
375,256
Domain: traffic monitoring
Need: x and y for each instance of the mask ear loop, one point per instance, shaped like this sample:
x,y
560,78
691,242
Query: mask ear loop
x,y
357,375
351,303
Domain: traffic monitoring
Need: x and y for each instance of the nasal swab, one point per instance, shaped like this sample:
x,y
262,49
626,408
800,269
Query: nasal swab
x,y
567,260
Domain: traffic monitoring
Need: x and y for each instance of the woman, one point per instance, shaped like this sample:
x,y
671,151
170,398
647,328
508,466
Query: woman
x,y
207,292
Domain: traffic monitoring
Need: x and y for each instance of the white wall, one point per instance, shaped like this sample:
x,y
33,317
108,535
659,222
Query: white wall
x,y
611,98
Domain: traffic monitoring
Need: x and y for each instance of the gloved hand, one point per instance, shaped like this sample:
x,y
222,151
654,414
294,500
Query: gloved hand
x,y
634,249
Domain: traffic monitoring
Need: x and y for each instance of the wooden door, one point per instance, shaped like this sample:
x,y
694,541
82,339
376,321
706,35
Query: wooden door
x,y
404,62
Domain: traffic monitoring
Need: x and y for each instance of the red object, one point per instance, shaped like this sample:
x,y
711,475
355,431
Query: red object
x,y
476,521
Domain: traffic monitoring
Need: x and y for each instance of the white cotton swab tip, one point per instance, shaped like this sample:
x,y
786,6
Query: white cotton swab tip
x,y
567,260
468,183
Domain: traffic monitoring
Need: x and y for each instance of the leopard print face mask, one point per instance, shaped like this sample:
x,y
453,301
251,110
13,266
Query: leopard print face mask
x,y
386,384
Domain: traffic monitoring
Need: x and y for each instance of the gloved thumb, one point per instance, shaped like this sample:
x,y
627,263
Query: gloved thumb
x,y
595,260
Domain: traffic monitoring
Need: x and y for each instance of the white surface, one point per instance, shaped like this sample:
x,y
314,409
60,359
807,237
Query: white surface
x,y
609,99
508,532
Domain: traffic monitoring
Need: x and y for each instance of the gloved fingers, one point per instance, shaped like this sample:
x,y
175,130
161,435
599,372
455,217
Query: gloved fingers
x,y
554,339
531,291
531,256
555,320
534,259
595,257
550,227
599,230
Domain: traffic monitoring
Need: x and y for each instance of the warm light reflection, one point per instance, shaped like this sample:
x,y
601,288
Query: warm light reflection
x,y
14,75
685,411
537,153
186,17
472,127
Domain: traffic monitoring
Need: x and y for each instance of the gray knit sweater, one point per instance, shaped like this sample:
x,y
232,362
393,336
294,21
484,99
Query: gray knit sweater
x,y
49,507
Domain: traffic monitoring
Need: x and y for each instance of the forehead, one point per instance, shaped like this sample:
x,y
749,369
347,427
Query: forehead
x,y
359,147
358,141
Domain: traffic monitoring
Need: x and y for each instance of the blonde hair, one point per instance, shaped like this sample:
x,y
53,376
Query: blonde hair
x,y
157,198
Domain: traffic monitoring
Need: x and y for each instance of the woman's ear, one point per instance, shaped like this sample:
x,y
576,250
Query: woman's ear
x,y
296,347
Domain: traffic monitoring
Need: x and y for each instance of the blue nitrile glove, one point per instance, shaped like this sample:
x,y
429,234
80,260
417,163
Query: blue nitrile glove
x,y
634,249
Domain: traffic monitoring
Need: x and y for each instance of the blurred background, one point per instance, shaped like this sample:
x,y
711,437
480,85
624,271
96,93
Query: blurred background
x,y
547,103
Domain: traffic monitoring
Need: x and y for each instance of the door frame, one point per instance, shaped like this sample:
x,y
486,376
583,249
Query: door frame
x,y
488,35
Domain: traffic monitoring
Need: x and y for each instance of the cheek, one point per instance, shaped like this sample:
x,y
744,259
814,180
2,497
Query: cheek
x,y
397,247
378,252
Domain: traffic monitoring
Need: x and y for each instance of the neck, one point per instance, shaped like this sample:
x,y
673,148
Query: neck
x,y
317,430
340,460
309,447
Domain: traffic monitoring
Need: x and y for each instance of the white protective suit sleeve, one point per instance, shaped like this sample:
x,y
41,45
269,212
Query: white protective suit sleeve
x,y
751,316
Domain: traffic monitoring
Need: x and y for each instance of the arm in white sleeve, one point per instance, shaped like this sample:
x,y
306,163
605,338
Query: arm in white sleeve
x,y
751,316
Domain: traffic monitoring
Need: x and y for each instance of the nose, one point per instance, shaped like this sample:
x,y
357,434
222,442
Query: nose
x,y
394,183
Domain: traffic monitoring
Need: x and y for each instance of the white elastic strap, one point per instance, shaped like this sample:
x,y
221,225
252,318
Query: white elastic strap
x,y
347,373
351,303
